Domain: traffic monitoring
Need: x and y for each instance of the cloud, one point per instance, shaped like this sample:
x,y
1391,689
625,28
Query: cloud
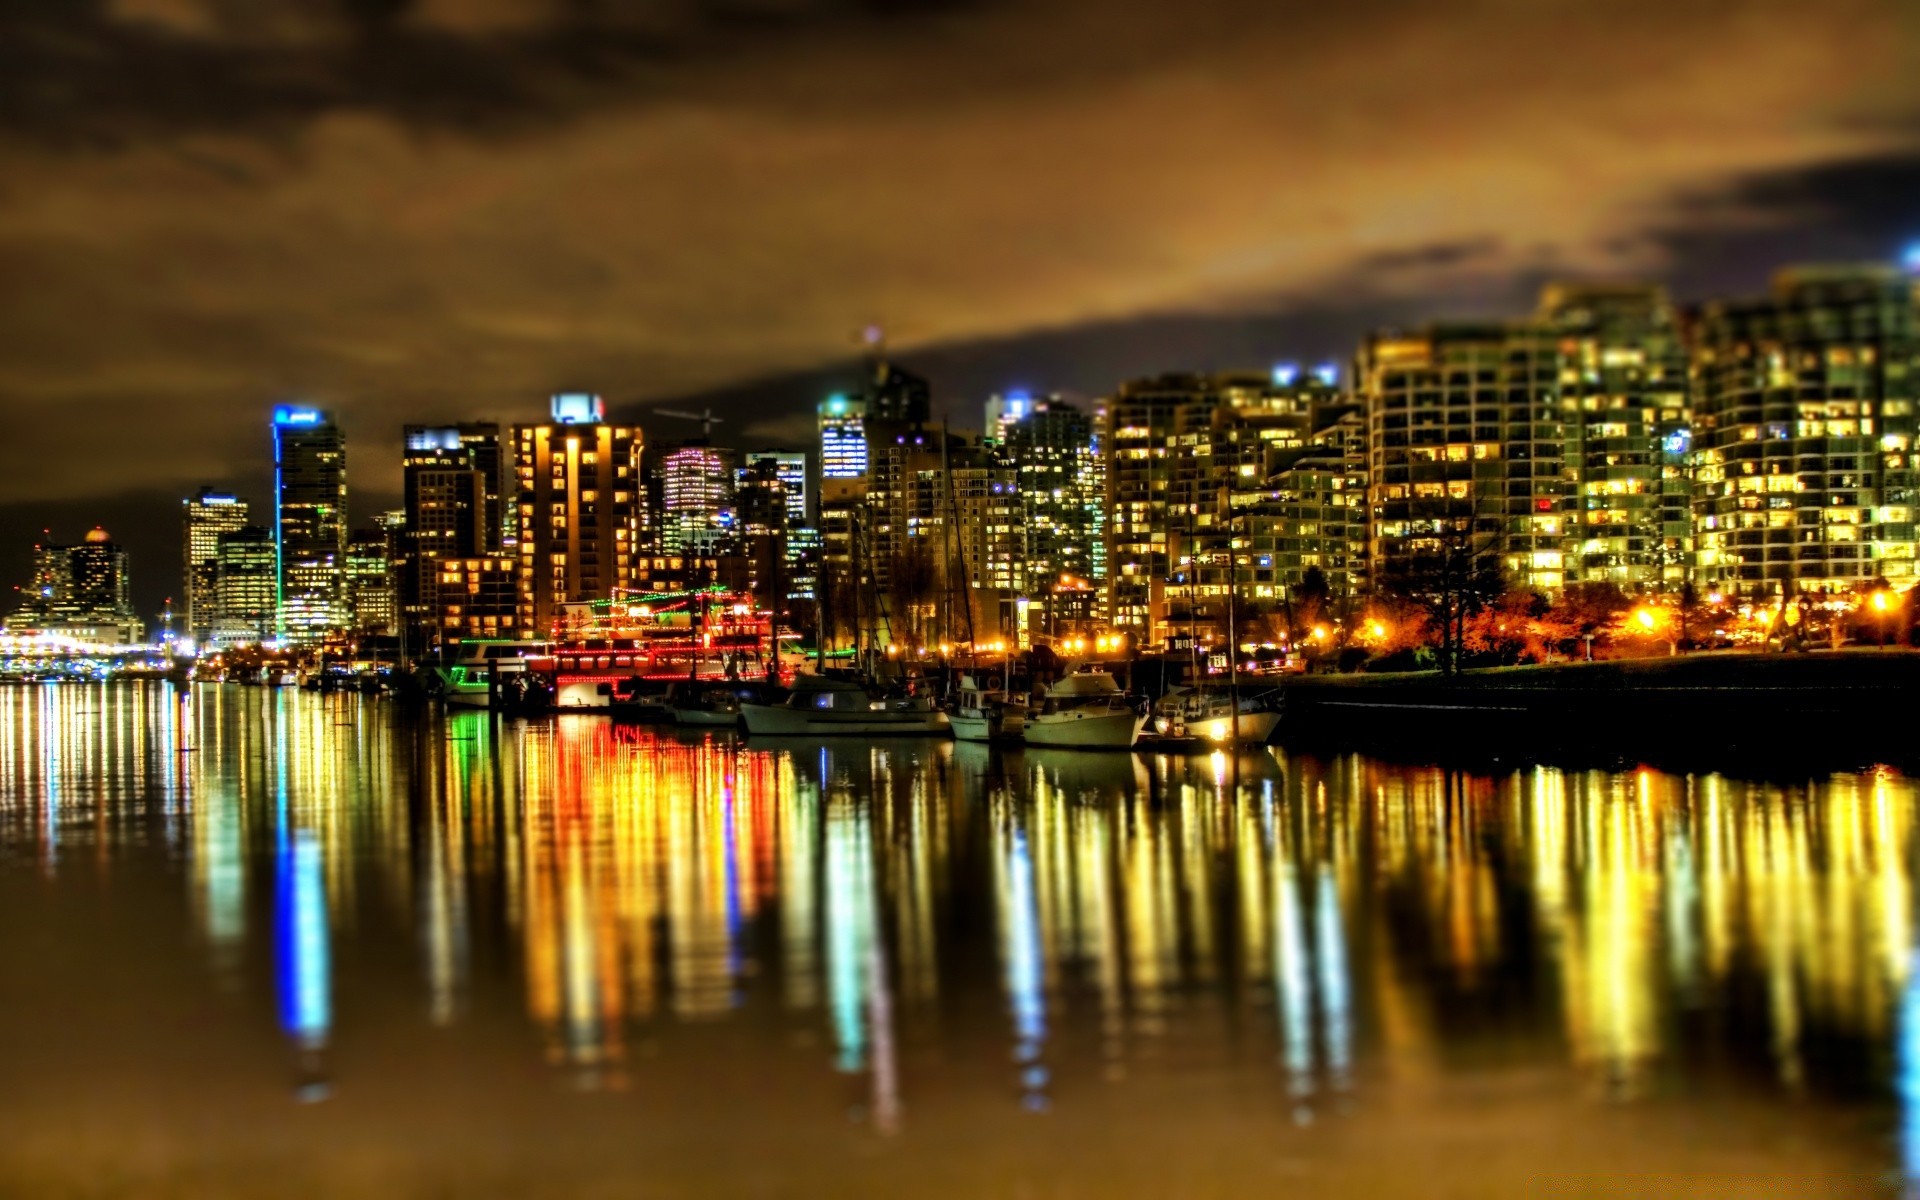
x,y
412,211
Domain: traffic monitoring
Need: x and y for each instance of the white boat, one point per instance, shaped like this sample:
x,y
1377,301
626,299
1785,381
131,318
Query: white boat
x,y
987,714
468,682
824,706
1184,712
1086,711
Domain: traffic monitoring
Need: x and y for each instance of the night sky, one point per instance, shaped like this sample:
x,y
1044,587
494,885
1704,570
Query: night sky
x,y
451,208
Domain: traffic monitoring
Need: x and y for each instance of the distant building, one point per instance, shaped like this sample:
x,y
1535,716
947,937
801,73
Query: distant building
x,y
1804,433
370,583
790,468
580,503
206,517
83,591
310,488
452,490
246,588
696,494
843,438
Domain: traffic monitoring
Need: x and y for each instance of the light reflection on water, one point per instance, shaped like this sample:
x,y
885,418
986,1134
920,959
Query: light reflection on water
x,y
1350,925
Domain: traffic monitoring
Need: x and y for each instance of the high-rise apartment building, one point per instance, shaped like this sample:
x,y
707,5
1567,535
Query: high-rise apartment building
x,y
1175,449
1309,513
1467,445
580,500
453,491
310,518
1621,378
205,518
1804,433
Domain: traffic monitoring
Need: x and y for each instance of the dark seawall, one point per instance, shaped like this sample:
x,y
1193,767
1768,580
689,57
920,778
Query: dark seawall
x,y
1714,711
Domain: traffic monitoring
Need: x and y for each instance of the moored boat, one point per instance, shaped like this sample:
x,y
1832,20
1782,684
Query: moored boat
x,y
987,714
1086,711
469,681
711,705
829,706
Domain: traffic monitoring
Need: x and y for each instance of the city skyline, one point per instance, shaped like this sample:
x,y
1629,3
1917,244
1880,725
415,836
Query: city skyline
x,y
918,405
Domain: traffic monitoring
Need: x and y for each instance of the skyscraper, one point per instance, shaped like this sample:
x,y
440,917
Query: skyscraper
x,y
206,517
580,501
246,588
696,493
310,518
452,488
1804,429
843,438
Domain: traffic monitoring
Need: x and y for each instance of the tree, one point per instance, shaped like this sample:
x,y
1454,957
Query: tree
x,y
1453,569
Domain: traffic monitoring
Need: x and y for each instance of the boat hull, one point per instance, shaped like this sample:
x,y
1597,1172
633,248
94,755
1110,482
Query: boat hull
x,y
705,718
778,720
1079,729
467,697
1257,727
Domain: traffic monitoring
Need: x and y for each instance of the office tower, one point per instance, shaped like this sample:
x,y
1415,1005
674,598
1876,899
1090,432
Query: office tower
x,y
102,590
310,508
452,489
205,518
843,438
369,582
696,500
1004,410
1622,384
1467,446
1803,433
246,588
52,589
580,501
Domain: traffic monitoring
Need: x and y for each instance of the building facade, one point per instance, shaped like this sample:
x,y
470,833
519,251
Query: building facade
x,y
310,518
205,518
247,588
580,499
1803,434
